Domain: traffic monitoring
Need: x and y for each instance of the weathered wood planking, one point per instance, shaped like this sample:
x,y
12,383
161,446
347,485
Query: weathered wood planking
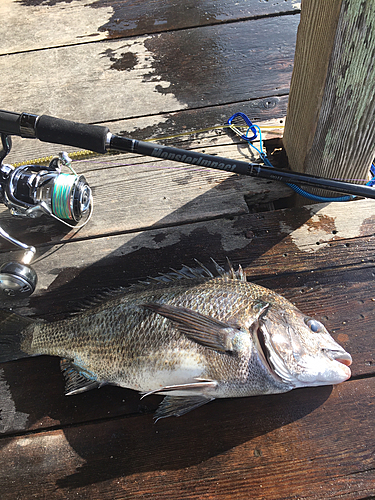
x,y
34,24
132,193
117,79
341,294
309,443
283,242
342,297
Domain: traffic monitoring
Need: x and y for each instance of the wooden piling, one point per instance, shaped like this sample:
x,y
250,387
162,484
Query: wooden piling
x,y
330,127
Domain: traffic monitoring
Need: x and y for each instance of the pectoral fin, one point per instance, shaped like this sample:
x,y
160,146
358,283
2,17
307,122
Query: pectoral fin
x,y
202,329
179,405
75,381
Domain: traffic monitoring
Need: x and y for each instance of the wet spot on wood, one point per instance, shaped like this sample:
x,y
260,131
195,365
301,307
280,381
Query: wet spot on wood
x,y
183,181
158,238
126,62
36,3
222,57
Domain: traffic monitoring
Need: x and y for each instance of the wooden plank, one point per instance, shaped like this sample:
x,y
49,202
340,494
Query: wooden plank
x,y
96,82
329,127
132,193
333,282
285,243
310,443
54,23
288,239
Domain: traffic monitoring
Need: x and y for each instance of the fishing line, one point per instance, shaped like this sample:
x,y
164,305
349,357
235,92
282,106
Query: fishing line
x,y
86,154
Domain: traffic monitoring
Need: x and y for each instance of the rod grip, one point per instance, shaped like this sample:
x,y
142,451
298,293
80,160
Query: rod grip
x,y
10,122
69,133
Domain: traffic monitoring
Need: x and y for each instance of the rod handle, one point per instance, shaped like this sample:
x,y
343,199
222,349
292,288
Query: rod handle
x,y
55,130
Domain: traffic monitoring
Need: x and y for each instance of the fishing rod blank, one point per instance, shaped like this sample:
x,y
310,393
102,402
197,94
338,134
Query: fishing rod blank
x,y
99,139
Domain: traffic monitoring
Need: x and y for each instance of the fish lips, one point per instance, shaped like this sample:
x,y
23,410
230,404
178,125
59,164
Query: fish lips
x,y
331,367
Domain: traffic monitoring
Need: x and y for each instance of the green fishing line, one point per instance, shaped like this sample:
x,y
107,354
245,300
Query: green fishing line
x,y
61,196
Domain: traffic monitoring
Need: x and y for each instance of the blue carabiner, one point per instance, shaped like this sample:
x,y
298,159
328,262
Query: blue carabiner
x,y
248,122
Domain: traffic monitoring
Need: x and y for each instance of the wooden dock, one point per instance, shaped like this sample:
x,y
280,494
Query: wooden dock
x,y
174,72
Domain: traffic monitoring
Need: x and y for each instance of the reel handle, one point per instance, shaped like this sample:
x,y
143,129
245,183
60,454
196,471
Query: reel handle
x,y
17,281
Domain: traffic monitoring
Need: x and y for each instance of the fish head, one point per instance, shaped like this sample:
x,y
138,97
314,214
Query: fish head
x,y
299,350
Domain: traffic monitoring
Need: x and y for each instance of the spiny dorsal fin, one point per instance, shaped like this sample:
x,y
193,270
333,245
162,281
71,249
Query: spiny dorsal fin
x,y
185,273
97,299
232,274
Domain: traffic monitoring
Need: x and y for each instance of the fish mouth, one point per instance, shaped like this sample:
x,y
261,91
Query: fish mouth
x,y
343,357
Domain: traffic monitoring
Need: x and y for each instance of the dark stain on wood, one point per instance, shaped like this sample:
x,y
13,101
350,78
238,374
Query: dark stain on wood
x,y
37,3
129,19
125,62
219,55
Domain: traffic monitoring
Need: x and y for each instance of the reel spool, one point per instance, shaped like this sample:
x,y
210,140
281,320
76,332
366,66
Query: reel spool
x,y
31,191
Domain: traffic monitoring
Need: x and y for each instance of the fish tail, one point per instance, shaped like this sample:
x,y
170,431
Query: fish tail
x,y
16,333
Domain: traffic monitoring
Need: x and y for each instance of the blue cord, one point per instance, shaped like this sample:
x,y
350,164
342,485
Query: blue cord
x,y
254,129
371,182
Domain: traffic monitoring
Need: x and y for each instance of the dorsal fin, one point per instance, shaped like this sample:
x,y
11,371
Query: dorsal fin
x,y
201,272
231,273
97,299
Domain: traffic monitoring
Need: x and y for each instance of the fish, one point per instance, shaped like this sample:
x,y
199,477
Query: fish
x,y
190,335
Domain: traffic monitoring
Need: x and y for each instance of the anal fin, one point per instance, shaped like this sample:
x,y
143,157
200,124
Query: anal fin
x,y
175,406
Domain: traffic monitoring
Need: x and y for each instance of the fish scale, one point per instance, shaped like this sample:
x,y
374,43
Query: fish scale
x,y
190,336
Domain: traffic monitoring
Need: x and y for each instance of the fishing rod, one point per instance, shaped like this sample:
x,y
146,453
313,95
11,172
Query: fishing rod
x,y
100,140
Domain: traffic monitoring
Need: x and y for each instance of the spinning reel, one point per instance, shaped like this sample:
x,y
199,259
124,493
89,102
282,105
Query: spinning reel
x,y
31,191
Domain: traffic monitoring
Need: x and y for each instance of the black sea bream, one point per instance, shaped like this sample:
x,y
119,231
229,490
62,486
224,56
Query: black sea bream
x,y
193,337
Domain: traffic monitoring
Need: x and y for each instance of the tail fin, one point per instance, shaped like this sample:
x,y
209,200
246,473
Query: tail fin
x,y
14,333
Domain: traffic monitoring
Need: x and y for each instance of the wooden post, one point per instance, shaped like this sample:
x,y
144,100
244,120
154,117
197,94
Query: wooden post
x,y
330,124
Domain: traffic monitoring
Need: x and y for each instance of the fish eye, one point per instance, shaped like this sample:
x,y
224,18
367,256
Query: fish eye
x,y
314,325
